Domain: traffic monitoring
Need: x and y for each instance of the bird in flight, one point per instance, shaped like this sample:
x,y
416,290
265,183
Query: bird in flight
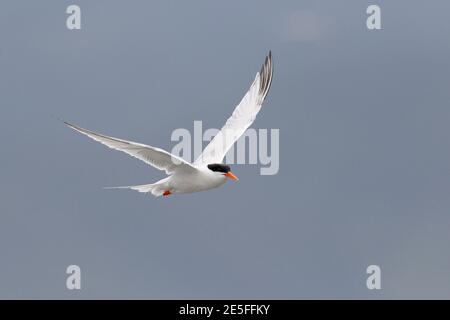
x,y
208,170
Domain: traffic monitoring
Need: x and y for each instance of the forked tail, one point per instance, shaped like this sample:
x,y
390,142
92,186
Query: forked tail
x,y
157,189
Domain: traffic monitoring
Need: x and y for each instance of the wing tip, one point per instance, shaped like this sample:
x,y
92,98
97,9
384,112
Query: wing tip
x,y
266,75
68,124
72,126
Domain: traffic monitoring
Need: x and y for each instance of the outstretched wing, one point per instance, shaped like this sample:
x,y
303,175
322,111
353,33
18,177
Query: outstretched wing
x,y
242,117
155,157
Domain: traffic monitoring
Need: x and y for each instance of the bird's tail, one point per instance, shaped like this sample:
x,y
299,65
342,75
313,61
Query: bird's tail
x,y
156,189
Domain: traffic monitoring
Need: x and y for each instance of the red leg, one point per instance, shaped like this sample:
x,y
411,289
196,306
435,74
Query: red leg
x,y
166,193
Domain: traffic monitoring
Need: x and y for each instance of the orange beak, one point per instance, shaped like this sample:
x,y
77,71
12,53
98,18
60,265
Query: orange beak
x,y
230,175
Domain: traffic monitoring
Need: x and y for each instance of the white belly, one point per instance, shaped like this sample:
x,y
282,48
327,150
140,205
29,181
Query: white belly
x,y
194,182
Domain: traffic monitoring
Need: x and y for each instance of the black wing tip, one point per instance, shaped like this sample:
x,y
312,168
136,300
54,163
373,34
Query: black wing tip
x,y
69,124
266,75
77,128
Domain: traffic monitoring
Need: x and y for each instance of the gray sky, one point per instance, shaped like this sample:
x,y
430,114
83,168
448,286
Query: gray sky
x,y
364,149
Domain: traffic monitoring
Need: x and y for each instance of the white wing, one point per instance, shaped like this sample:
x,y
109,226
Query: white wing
x,y
242,117
155,157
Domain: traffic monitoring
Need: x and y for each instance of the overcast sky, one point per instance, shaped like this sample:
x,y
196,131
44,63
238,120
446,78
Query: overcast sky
x,y
364,149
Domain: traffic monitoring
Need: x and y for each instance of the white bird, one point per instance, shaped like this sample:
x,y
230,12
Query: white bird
x,y
207,171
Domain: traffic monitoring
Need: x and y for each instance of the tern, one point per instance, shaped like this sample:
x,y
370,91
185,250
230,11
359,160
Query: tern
x,y
208,171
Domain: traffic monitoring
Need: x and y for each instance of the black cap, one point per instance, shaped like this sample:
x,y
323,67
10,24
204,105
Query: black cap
x,y
217,167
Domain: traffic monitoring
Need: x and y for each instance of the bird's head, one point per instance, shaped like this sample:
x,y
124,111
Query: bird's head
x,y
222,169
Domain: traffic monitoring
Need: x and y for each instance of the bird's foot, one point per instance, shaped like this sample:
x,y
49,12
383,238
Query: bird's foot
x,y
167,193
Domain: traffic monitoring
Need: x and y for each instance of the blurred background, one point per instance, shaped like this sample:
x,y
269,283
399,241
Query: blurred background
x,y
364,149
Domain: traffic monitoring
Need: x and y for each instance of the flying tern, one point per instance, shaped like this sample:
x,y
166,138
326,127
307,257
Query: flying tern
x,y
208,170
